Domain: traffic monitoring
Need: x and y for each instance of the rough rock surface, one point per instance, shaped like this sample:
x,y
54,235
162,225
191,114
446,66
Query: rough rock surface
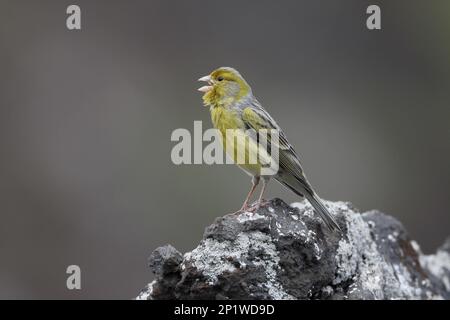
x,y
286,252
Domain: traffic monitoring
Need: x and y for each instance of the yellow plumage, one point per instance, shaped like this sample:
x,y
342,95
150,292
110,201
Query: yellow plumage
x,y
239,117
244,151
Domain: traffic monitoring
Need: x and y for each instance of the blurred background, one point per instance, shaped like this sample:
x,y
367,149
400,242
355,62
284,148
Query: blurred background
x,y
86,117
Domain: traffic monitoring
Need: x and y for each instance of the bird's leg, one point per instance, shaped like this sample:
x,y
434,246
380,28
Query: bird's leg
x,y
255,182
261,201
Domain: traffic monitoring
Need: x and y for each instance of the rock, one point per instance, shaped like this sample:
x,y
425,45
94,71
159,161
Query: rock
x,y
286,252
165,263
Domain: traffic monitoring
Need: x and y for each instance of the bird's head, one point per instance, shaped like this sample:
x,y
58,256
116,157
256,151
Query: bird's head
x,y
225,87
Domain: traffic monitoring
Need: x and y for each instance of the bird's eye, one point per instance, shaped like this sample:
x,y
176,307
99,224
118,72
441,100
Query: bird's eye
x,y
219,78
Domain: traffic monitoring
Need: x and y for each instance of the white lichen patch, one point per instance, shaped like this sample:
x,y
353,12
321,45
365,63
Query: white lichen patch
x,y
307,209
261,241
438,265
298,231
317,251
304,207
208,258
359,260
416,247
250,216
337,206
146,293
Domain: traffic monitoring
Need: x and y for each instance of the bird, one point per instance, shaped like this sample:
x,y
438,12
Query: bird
x,y
234,107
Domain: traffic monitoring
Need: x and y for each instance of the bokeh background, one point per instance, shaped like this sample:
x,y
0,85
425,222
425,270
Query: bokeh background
x,y
86,117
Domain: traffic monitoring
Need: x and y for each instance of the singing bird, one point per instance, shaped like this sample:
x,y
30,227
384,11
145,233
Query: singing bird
x,y
234,107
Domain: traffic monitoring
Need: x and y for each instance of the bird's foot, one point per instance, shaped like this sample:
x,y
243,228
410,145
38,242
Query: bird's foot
x,y
244,208
253,208
258,205
236,213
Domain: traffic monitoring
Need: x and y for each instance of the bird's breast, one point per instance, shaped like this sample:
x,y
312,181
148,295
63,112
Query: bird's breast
x,y
224,119
239,146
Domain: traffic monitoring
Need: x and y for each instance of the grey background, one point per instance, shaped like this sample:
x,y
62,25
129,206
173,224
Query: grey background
x,y
86,118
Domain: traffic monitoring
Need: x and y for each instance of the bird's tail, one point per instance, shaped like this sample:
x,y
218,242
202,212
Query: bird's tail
x,y
320,208
303,189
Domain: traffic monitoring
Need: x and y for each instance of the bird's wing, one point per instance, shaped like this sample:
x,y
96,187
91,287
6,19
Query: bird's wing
x,y
256,118
290,171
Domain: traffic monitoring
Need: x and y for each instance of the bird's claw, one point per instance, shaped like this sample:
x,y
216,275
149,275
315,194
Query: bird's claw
x,y
258,205
252,209
243,209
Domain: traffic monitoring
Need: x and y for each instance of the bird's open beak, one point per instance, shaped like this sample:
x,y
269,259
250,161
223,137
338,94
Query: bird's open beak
x,y
205,88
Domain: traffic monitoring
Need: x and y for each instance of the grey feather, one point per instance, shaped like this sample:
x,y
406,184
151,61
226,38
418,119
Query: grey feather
x,y
290,172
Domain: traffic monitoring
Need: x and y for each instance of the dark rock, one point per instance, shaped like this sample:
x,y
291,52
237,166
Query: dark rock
x,y
286,252
165,260
165,264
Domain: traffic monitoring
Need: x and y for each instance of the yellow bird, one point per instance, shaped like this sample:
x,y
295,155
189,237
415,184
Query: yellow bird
x,y
235,110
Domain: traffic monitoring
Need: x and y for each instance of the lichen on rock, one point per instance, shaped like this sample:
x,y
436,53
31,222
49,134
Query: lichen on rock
x,y
285,252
